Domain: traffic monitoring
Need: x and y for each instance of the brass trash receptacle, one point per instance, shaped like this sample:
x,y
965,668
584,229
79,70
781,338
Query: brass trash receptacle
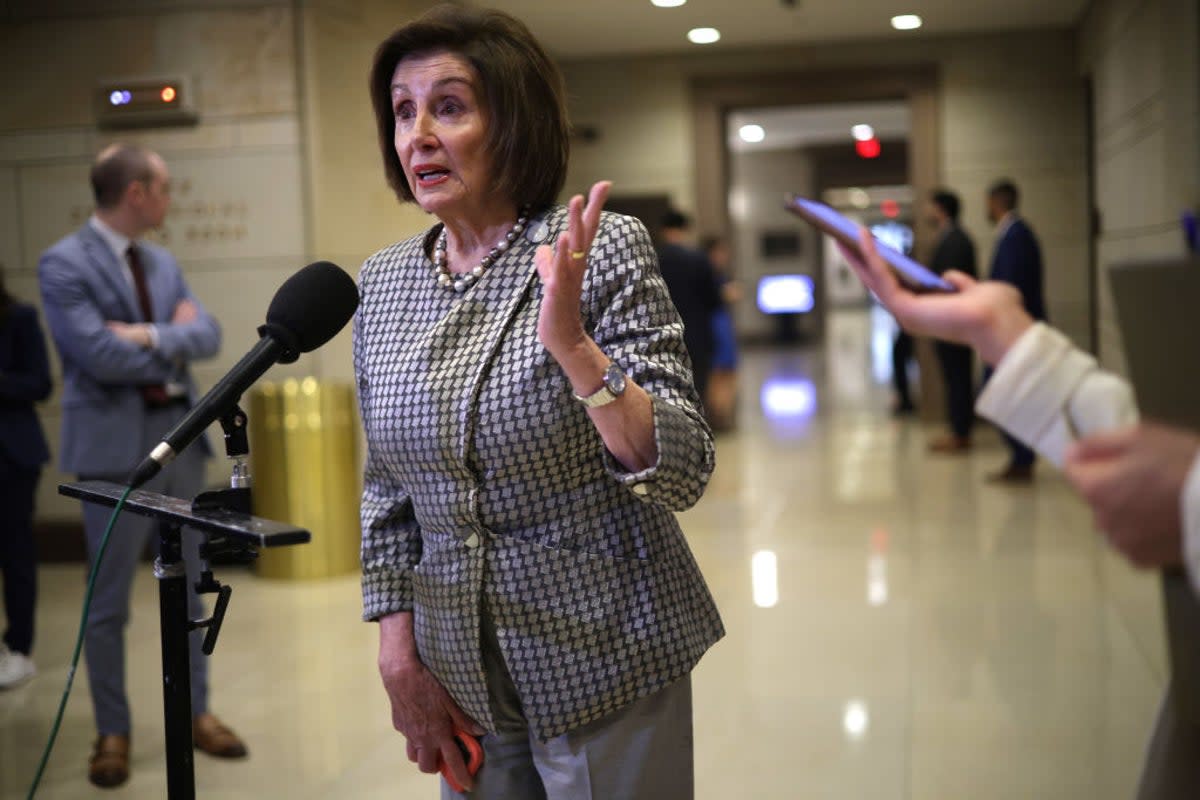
x,y
305,467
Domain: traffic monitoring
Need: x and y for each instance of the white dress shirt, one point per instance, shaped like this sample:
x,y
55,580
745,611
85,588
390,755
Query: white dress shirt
x,y
1047,393
119,244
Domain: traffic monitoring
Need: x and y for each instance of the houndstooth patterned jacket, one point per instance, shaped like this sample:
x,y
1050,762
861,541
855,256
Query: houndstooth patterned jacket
x,y
486,481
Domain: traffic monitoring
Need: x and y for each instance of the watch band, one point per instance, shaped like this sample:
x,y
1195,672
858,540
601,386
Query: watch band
x,y
612,387
601,397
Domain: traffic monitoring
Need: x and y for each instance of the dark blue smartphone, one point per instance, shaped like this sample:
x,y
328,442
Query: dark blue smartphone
x,y
915,276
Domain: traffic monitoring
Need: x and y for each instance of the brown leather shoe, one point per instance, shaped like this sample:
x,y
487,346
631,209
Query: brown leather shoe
x,y
211,736
109,764
1013,475
950,444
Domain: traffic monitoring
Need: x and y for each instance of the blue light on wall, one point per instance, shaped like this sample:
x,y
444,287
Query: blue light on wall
x,y
785,294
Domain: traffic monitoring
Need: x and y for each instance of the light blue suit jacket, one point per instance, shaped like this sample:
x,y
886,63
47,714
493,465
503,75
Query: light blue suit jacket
x,y
83,287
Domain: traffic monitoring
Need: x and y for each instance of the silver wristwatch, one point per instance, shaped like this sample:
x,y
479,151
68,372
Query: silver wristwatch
x,y
613,387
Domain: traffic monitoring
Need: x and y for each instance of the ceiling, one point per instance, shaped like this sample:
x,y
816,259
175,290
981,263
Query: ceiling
x,y
573,29
789,127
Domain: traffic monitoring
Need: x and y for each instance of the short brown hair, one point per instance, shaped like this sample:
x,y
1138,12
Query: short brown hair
x,y
522,90
1005,191
115,168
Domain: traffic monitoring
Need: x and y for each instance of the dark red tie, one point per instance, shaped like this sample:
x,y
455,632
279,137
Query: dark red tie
x,y
154,394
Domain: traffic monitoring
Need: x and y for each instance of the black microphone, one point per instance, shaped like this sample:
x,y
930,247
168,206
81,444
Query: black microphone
x,y
309,308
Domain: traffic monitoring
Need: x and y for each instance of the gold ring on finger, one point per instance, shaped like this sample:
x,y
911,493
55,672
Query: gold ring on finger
x,y
578,254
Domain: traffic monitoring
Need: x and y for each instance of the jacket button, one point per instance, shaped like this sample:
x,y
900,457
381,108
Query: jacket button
x,y
472,541
640,489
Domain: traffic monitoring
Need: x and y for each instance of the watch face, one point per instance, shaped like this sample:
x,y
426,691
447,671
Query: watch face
x,y
614,379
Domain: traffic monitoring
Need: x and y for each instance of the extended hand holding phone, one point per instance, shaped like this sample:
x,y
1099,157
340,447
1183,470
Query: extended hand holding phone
x,y
915,276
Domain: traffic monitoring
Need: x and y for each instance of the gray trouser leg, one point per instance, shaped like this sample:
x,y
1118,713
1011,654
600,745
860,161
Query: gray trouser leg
x,y
507,773
109,614
641,752
105,636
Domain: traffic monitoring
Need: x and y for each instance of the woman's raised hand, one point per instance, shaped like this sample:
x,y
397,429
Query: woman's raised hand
x,y
561,267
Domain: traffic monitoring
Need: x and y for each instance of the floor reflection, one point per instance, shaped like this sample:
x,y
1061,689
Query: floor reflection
x,y
897,629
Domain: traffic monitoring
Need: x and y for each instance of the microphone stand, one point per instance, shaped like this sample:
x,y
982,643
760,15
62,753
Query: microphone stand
x,y
223,516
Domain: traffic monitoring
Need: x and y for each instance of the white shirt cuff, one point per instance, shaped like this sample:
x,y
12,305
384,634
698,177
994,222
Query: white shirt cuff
x,y
1046,392
1189,500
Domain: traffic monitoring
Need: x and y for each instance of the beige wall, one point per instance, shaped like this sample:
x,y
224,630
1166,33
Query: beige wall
x,y
236,224
352,211
1009,105
1142,56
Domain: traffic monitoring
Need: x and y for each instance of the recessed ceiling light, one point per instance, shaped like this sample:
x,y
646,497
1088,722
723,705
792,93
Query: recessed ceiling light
x,y
752,133
862,132
703,35
906,22
668,3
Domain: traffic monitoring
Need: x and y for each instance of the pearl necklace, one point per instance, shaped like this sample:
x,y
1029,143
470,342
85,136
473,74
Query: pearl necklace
x,y
460,283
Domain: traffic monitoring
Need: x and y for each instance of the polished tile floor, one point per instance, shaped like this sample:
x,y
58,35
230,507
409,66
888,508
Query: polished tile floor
x,y
897,629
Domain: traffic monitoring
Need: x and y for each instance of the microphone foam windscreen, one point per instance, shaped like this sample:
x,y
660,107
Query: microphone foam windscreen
x,y
312,306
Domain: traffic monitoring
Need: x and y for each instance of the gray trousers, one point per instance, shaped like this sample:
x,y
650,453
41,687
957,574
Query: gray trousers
x,y
640,752
1172,767
109,614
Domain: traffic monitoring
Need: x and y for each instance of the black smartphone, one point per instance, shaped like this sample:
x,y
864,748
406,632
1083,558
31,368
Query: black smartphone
x,y
915,276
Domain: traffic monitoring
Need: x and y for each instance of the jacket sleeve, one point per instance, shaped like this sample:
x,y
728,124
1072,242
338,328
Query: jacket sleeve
x,y
79,331
200,338
1019,262
30,379
961,256
391,536
391,544
1003,263
635,323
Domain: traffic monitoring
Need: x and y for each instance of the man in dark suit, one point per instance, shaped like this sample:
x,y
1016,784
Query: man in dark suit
x,y
126,325
955,250
1016,260
692,282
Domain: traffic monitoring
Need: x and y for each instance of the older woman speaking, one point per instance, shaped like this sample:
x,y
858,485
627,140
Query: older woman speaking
x,y
531,426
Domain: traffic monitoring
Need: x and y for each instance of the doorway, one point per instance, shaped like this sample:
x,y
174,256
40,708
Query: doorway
x,y
914,87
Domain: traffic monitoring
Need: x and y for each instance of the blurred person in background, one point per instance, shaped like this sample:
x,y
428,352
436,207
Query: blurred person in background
x,y
126,326
694,291
24,380
902,356
1017,260
956,251
721,401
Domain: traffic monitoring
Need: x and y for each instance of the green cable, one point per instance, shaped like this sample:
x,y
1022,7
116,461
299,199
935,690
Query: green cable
x,y
87,603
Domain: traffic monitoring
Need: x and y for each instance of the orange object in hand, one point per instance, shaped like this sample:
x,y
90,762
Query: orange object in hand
x,y
472,753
